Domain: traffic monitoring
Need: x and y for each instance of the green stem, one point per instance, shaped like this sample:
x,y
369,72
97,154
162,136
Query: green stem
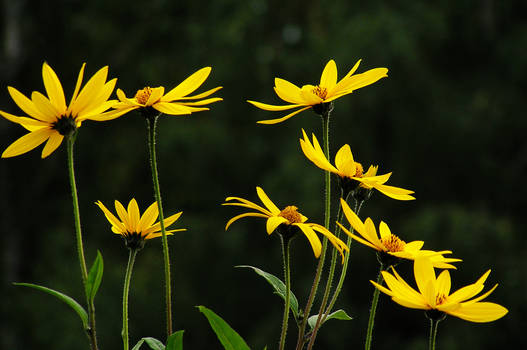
x,y
70,140
373,309
287,279
357,208
151,125
433,334
327,212
322,315
126,288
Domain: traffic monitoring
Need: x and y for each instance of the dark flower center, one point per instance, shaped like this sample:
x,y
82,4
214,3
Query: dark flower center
x,y
65,125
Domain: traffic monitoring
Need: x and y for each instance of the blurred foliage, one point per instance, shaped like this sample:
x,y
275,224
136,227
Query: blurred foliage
x,y
448,121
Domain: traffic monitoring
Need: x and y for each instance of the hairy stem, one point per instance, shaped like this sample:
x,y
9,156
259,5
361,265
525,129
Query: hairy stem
x,y
373,309
151,125
126,288
287,279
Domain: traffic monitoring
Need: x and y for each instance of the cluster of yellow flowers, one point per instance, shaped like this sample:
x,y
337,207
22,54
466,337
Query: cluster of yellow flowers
x,y
49,119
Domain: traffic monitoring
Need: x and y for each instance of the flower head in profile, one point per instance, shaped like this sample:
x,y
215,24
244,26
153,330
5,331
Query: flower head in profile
x,y
175,102
286,221
134,227
319,96
389,247
50,119
351,173
433,294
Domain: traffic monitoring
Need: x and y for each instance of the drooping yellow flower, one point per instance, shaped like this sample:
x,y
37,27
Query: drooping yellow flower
x,y
174,102
289,217
389,243
350,172
311,96
49,117
133,227
434,294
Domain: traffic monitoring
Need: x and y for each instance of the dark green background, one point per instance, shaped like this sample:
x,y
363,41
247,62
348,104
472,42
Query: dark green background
x,y
449,122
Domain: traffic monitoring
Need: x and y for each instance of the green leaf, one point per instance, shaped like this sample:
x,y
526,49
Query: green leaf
x,y
226,335
337,315
278,286
175,341
68,300
94,277
153,343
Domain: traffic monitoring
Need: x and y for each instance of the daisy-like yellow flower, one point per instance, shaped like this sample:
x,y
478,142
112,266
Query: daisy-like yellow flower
x,y
317,96
134,227
174,102
289,217
434,294
51,119
389,245
350,172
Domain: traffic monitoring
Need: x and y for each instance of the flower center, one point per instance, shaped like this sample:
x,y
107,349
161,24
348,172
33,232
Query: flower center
x,y
291,214
359,170
321,92
143,95
393,243
440,299
65,125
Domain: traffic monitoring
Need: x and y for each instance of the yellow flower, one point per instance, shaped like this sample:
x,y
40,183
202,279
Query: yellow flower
x,y
389,244
174,102
311,96
49,117
133,227
434,294
351,173
289,217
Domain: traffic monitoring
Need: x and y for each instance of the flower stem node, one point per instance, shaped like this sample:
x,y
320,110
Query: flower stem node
x,y
323,108
65,125
435,315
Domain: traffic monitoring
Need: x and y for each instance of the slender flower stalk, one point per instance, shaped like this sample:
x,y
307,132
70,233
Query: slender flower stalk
x,y
326,111
126,288
373,309
433,334
286,243
91,332
151,127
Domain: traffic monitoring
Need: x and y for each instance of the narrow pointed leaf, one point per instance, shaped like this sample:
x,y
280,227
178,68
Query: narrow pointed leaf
x,y
68,300
94,277
337,315
175,341
278,286
227,336
154,344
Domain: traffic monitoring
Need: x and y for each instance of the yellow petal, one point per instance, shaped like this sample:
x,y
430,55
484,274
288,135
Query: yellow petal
x,y
111,218
357,238
247,204
89,92
306,93
360,80
315,154
188,85
329,75
156,94
273,222
466,292
53,143
344,161
258,215
77,85
312,238
336,88
202,102
480,312
371,234
424,273
133,215
273,108
149,217
27,123
27,142
28,106
443,283
267,202
414,245
172,108
201,95
384,230
279,120
45,106
393,192
287,91
53,88
99,102
123,216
